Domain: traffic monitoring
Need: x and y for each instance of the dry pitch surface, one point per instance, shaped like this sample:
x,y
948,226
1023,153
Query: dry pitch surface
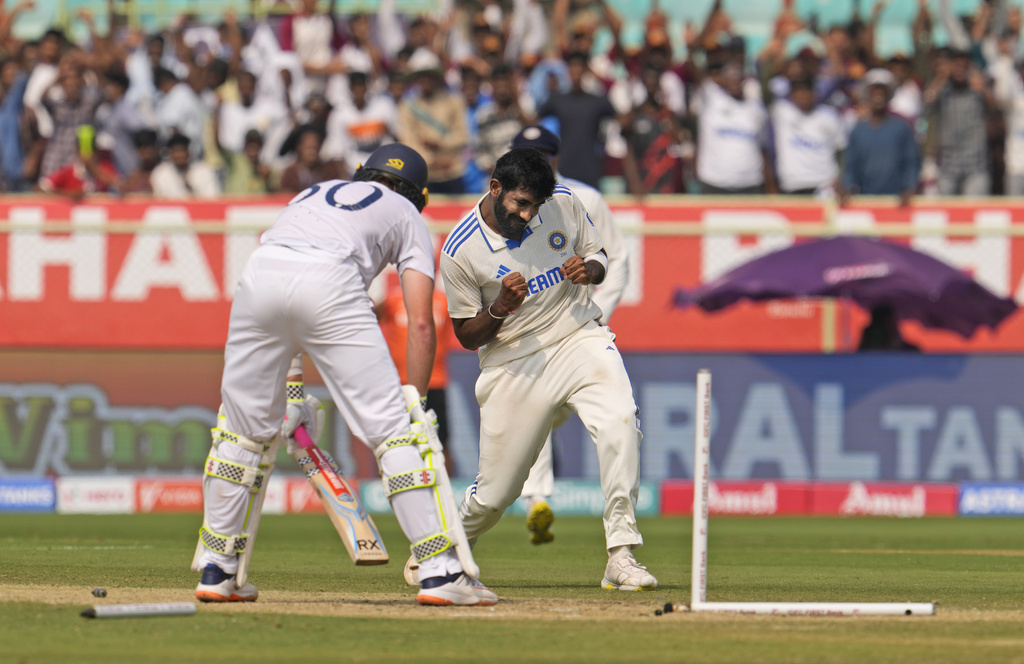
x,y
370,605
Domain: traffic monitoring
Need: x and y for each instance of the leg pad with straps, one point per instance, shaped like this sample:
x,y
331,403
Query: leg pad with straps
x,y
253,477
421,478
431,546
222,543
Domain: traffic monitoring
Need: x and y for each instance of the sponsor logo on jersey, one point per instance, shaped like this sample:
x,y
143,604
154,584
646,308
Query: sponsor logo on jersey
x,y
544,281
502,271
557,240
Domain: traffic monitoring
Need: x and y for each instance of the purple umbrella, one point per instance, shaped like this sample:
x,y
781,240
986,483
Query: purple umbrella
x,y
870,272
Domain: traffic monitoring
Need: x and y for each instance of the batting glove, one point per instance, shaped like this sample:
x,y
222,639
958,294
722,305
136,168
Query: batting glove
x,y
309,413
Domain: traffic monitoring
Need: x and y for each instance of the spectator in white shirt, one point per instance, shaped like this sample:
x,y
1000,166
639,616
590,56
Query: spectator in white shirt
x,y
42,77
1009,95
906,97
732,136
179,110
807,137
236,118
357,128
180,177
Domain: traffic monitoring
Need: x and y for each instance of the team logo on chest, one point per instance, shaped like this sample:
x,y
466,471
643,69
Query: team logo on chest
x,y
557,240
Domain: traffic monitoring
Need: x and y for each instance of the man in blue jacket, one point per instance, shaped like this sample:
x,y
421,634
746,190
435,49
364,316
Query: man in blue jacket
x,y
882,157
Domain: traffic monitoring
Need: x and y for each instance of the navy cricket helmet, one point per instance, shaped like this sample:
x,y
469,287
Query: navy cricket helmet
x,y
403,163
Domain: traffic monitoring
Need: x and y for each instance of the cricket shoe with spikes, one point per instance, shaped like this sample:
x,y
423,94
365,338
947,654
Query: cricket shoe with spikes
x,y
458,589
219,586
539,521
625,573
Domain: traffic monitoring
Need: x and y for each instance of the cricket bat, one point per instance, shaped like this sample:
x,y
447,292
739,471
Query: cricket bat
x,y
348,515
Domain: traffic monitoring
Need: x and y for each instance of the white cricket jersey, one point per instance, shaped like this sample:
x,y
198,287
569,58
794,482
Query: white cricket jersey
x,y
806,145
730,134
362,222
474,259
607,293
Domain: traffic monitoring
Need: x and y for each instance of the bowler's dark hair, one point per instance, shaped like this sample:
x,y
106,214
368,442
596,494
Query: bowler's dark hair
x,y
526,168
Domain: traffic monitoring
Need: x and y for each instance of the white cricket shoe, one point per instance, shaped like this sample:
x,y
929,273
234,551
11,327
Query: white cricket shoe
x,y
539,521
412,571
219,586
458,589
625,573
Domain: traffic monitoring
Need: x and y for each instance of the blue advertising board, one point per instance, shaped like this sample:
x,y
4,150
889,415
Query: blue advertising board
x,y
27,494
991,499
869,416
857,417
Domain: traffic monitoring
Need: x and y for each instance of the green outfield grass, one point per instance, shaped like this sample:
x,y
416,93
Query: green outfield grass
x,y
552,609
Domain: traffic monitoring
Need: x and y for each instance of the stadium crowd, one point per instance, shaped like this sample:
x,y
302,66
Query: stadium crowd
x,y
286,98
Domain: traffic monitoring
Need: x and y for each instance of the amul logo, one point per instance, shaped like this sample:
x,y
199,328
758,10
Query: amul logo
x,y
394,162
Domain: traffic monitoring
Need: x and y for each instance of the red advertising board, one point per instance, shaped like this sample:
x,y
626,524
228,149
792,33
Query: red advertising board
x,y
880,499
169,495
737,498
767,498
160,275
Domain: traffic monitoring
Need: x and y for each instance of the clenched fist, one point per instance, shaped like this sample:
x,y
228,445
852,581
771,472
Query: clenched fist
x,y
582,272
513,292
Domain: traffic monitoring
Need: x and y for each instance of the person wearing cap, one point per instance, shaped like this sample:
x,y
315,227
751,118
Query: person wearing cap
x,y
432,121
881,156
304,290
541,482
958,101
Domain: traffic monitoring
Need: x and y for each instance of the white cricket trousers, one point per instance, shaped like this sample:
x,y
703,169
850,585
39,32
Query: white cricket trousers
x,y
288,302
518,403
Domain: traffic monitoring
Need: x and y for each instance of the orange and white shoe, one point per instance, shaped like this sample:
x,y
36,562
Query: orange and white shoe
x,y
455,589
219,586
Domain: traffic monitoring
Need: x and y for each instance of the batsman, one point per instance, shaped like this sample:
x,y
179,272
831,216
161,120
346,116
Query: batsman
x,y
305,290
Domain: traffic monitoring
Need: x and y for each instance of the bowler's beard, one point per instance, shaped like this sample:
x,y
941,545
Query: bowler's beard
x,y
507,224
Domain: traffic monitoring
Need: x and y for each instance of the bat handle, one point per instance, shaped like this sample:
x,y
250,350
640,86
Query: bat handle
x,y
302,438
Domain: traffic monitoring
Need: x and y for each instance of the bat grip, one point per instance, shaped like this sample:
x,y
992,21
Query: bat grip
x,y
302,438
